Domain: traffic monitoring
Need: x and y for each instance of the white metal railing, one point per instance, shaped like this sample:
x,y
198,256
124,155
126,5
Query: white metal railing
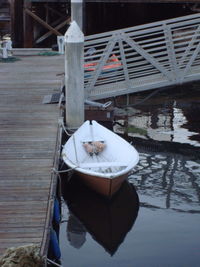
x,y
142,57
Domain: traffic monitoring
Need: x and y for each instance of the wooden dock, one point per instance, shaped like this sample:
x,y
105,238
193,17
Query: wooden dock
x,y
28,138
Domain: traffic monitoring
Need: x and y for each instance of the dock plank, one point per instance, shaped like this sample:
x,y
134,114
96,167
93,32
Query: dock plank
x,y
28,132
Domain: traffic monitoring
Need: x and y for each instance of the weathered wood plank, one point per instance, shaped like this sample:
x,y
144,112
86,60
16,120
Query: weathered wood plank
x,y
29,144
18,242
28,155
21,208
22,224
16,197
22,235
21,211
24,164
28,131
18,204
28,219
20,230
24,181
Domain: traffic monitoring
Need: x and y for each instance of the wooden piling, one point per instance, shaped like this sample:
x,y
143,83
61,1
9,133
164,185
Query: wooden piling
x,y
77,12
74,76
28,26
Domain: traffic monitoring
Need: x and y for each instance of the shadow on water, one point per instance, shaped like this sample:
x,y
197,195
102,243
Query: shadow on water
x,y
108,221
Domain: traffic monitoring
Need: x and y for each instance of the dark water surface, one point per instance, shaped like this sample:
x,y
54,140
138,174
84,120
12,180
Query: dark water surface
x,y
163,229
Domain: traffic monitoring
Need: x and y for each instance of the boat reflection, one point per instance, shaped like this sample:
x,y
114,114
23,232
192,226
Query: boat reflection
x,y
108,221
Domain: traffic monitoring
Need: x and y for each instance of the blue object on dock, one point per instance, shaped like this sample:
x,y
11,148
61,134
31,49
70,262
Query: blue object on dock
x,y
54,245
56,212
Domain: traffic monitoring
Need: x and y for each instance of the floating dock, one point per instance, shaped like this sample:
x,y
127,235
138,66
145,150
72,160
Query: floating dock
x,y
29,143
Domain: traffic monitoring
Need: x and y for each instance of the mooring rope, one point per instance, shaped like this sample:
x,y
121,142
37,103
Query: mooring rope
x,y
65,130
76,154
64,171
54,263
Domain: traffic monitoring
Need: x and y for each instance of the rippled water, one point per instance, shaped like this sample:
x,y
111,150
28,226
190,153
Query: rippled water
x,y
166,230
168,222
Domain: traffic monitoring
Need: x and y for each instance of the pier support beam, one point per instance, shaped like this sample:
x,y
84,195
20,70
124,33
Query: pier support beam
x,y
28,26
74,76
16,13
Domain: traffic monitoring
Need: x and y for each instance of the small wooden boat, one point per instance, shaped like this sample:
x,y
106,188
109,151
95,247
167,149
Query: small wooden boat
x,y
102,159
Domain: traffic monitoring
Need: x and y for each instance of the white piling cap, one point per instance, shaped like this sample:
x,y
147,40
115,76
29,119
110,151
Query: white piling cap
x,y
74,34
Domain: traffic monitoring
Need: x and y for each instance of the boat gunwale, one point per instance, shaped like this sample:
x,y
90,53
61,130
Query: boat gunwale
x,y
109,175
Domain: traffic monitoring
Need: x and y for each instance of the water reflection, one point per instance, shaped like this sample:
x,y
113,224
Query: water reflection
x,y
76,232
107,221
168,181
167,117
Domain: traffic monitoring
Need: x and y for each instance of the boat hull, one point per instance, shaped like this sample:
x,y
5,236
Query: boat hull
x,y
104,186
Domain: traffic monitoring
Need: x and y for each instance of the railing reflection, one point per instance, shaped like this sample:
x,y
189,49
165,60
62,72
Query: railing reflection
x,y
168,181
169,122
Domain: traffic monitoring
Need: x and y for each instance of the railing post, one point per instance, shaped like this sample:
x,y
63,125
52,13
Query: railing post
x,y
74,76
171,53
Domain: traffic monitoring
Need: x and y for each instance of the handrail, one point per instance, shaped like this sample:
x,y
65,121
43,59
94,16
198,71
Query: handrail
x,y
149,56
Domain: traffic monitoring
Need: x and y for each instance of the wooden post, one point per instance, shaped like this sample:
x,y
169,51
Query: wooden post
x,y
74,76
28,26
77,12
16,13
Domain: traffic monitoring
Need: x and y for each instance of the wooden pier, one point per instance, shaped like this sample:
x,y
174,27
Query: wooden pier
x,y
28,140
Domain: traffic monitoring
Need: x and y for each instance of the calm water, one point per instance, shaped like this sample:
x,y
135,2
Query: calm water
x,y
164,230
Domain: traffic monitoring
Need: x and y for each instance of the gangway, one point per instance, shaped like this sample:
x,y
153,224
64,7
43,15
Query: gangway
x,y
142,57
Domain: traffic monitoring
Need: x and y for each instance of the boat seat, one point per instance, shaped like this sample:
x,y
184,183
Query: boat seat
x,y
102,164
91,141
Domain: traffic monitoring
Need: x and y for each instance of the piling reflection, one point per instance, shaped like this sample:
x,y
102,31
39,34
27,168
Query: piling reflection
x,y
108,221
168,181
76,232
